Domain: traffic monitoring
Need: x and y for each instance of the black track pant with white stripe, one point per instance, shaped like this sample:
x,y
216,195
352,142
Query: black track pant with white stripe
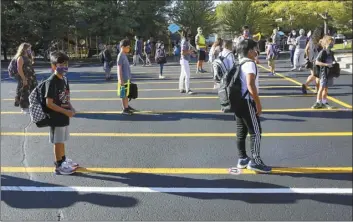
x,y
248,122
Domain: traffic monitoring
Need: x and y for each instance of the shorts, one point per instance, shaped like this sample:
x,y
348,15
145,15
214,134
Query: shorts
x,y
324,82
271,62
201,55
58,134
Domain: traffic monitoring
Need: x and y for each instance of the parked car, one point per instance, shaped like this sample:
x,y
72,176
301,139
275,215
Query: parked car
x,y
339,38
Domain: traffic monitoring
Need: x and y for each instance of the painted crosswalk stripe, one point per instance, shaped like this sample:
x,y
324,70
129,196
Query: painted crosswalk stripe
x,y
191,135
177,190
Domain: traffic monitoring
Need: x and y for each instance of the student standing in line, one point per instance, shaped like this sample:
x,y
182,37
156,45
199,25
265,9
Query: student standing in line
x,y
215,51
26,79
124,75
248,116
291,42
184,63
108,62
300,43
271,55
325,60
60,111
161,58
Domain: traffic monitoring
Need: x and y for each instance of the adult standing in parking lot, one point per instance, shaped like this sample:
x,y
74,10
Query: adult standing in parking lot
x,y
300,43
200,42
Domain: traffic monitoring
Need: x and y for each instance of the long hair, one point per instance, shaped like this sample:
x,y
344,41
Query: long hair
x,y
317,35
326,40
21,49
218,42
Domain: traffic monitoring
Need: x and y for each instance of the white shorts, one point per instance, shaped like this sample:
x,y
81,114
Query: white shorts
x,y
58,134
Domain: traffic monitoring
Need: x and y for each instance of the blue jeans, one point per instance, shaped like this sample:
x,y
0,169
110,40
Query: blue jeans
x,y
292,56
161,68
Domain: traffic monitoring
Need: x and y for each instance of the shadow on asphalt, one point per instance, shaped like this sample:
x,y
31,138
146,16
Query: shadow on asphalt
x,y
154,180
328,115
171,117
56,200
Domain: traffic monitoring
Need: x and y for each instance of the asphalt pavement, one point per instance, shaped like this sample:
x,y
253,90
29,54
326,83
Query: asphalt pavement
x,y
170,161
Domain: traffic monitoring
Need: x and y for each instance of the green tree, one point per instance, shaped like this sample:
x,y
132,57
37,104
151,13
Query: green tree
x,y
194,14
233,15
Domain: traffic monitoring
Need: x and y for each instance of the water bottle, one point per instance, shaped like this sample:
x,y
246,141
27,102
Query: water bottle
x,y
122,92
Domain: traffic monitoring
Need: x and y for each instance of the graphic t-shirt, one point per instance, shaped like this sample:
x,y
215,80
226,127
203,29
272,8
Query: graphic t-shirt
x,y
58,90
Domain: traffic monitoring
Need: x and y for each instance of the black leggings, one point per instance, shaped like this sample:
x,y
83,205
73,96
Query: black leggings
x,y
248,122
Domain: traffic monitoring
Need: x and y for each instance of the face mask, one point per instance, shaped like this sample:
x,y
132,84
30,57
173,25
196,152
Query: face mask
x,y
330,46
62,70
294,33
246,33
29,52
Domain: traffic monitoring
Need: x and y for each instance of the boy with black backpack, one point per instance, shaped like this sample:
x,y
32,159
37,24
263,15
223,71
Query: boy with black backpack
x,y
60,110
238,93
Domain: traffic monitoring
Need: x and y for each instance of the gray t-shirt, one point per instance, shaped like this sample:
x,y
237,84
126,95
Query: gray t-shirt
x,y
301,42
185,46
124,62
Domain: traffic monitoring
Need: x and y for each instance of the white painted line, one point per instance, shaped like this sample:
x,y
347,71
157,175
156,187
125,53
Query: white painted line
x,y
179,190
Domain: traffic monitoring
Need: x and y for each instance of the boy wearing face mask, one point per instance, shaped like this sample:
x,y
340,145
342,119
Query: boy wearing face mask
x,y
60,110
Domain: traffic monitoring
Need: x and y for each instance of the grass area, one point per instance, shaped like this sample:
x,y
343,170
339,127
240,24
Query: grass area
x,y
341,46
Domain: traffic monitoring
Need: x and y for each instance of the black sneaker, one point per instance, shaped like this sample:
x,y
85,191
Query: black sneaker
x,y
132,109
127,111
258,167
182,91
304,89
17,103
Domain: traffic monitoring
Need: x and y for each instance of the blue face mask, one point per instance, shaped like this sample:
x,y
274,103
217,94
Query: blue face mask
x,y
29,52
330,46
62,70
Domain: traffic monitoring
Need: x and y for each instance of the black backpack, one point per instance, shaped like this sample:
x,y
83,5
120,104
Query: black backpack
x,y
219,68
229,91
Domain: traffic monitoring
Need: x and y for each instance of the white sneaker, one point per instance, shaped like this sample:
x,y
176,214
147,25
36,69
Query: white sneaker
x,y
71,163
161,77
25,111
65,169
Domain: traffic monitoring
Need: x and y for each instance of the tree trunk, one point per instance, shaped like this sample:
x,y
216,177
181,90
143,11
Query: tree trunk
x,y
325,26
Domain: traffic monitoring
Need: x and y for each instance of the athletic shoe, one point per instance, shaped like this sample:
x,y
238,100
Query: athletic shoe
x,y
259,167
243,163
65,169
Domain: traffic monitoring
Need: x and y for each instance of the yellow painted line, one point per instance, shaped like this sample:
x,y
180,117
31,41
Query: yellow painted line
x,y
312,90
162,81
200,111
171,98
287,170
298,134
174,89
